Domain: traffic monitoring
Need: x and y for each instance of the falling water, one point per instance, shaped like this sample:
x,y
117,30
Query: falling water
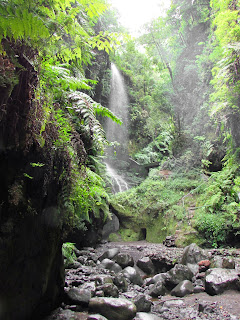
x,y
118,104
118,183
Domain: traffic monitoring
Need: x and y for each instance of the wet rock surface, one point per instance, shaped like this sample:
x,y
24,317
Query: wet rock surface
x,y
183,286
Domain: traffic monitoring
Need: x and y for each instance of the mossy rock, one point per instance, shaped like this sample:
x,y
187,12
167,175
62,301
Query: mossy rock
x,y
188,235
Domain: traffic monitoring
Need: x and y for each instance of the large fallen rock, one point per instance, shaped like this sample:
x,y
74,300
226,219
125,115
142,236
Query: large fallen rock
x,y
192,254
158,289
218,280
132,275
124,260
177,274
113,308
182,289
146,265
109,254
78,296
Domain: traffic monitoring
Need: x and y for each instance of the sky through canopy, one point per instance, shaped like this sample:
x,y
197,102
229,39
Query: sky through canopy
x,y
135,13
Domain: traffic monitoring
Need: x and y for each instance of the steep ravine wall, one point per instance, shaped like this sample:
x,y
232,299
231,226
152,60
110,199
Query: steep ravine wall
x,y
31,264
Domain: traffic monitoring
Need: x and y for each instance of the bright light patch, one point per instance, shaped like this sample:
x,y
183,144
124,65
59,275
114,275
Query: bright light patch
x,y
135,13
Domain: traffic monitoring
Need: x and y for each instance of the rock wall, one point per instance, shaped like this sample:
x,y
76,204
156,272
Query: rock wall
x,y
31,266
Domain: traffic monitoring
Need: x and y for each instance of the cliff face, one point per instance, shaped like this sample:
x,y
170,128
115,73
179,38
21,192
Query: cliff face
x,y
31,221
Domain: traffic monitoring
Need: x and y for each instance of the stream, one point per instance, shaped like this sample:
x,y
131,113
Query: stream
x,y
101,285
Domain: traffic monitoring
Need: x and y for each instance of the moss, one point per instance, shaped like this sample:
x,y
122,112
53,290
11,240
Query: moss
x,y
129,235
114,237
187,235
160,207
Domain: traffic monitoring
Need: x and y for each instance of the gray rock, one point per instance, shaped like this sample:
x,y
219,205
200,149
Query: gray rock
x,y
173,303
179,273
146,265
218,280
198,289
193,254
124,260
109,290
116,268
217,262
160,277
121,282
102,279
61,314
143,303
132,275
193,267
113,308
96,317
110,254
170,241
111,226
78,296
146,316
106,263
163,261
89,286
228,263
158,289
183,288
110,265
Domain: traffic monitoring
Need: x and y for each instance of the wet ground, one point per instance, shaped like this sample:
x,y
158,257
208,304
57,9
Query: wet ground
x,y
229,300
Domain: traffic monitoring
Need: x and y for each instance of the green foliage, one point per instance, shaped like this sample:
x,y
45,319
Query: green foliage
x,y
68,253
217,216
88,195
57,28
59,38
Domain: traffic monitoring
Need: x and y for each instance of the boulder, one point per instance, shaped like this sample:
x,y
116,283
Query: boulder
x,y
132,275
228,263
143,303
62,314
110,254
116,268
162,277
193,254
147,316
218,280
124,260
96,317
169,241
109,290
113,308
106,263
162,262
121,282
111,226
101,279
78,296
146,265
110,265
158,289
91,286
183,288
177,274
173,303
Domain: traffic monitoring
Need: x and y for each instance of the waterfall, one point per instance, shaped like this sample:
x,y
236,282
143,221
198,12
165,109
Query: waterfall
x,y
118,183
118,104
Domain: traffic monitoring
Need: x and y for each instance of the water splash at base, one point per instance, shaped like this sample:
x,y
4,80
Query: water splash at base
x,y
118,183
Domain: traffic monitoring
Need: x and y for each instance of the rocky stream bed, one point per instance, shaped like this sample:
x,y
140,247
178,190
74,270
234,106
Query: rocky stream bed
x,y
144,281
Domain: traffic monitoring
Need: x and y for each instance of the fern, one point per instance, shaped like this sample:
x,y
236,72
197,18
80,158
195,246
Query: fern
x,y
86,108
68,253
